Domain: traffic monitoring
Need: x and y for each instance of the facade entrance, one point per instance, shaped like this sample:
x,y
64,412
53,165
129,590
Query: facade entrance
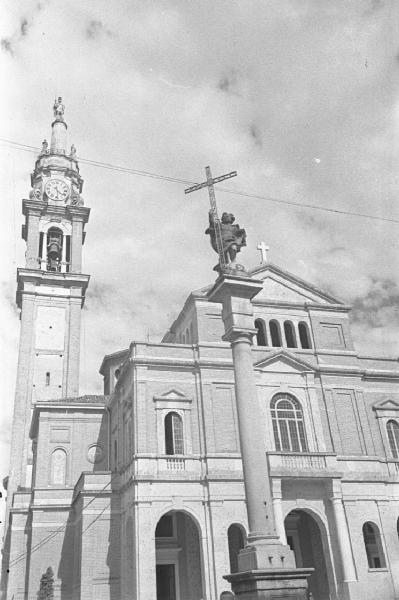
x,y
178,558
304,538
166,582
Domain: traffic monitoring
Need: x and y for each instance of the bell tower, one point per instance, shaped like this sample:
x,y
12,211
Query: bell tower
x,y
51,290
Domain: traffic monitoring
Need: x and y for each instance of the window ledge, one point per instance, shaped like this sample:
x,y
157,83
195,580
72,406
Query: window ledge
x,y
381,569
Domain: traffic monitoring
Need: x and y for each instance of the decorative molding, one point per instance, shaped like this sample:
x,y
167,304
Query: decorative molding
x,y
286,357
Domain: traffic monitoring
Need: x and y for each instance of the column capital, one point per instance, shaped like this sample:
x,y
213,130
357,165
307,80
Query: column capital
x,y
335,489
235,294
227,286
236,335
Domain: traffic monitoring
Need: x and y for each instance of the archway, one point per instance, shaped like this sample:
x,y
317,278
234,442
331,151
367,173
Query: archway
x,y
304,538
178,558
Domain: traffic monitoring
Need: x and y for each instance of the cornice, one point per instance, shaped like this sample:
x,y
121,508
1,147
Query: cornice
x,y
50,277
35,277
78,213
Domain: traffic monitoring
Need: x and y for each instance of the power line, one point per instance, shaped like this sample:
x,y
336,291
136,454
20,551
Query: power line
x,y
45,540
110,166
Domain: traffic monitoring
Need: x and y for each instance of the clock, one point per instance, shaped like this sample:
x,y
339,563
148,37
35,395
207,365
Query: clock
x,y
56,189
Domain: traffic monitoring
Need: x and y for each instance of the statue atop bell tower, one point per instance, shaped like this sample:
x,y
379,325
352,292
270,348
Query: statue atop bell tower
x,y
59,109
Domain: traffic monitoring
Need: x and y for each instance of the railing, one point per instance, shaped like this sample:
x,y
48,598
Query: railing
x,y
168,466
304,461
306,464
175,464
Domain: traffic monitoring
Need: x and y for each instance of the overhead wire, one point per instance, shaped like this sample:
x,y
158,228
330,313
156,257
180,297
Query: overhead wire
x,y
242,193
62,528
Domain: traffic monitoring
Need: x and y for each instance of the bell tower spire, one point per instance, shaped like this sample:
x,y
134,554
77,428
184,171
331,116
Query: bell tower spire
x,y
51,290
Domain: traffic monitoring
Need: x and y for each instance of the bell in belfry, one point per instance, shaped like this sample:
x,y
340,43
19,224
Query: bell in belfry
x,y
54,250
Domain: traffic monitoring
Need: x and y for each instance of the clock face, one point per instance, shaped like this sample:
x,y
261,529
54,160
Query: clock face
x,y
56,189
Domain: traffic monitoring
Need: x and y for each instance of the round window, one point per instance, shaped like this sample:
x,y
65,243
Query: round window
x,y
95,454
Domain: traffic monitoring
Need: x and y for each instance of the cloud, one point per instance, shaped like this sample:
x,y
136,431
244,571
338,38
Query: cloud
x,y
96,29
24,27
11,42
228,81
6,46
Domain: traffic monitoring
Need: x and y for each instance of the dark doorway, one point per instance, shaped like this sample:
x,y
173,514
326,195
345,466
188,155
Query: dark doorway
x,y
304,538
166,582
178,558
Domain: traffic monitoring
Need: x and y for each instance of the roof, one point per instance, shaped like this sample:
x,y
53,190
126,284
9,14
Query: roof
x,y
86,399
272,268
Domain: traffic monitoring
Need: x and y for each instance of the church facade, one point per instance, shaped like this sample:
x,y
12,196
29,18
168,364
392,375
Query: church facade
x,y
138,494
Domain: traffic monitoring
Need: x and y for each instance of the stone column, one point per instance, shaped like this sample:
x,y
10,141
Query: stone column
x,y
266,566
344,544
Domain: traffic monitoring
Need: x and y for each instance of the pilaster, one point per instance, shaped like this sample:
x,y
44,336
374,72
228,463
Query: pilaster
x,y
344,544
32,209
79,215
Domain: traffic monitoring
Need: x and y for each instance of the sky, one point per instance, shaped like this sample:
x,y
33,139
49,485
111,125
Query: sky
x,y
300,97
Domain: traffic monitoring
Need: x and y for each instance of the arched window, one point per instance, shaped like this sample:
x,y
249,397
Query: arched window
x,y
304,336
174,442
275,333
393,437
373,545
288,425
58,467
236,541
260,333
289,333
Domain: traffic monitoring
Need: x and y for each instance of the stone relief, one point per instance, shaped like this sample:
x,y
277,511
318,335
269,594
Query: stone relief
x,y
35,194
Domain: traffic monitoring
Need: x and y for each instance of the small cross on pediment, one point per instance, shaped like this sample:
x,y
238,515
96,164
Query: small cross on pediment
x,y
263,251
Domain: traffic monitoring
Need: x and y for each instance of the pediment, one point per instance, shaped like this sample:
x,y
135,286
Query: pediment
x,y
388,404
174,394
281,286
282,361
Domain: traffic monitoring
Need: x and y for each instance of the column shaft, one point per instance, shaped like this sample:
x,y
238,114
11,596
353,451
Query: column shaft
x,y
256,477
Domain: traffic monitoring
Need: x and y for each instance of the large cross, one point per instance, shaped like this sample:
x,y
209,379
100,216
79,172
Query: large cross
x,y
264,250
209,183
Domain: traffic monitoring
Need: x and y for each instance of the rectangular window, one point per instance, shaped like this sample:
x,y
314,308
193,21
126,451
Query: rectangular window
x,y
48,378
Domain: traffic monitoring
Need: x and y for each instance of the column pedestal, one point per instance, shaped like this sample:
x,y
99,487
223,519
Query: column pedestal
x,y
275,584
266,566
